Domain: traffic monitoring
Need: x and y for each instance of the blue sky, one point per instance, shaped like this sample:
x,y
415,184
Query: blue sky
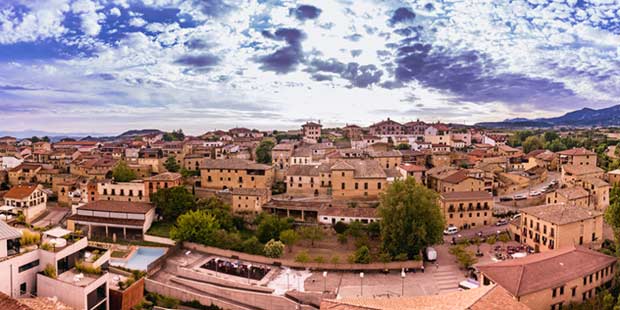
x,y
107,66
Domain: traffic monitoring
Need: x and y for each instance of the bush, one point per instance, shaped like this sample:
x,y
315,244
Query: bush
x,y
81,267
252,246
46,246
335,259
319,259
340,227
384,257
302,257
50,271
342,238
29,238
274,249
491,240
401,257
362,255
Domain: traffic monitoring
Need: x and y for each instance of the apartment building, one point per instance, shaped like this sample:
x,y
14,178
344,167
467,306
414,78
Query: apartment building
x,y
577,156
387,128
467,209
358,179
554,279
555,226
311,130
233,173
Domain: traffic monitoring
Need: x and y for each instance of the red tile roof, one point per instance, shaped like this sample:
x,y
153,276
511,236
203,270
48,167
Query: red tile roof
x,y
20,191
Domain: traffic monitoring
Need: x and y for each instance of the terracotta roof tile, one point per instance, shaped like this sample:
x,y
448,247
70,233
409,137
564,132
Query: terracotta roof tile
x,y
21,191
561,213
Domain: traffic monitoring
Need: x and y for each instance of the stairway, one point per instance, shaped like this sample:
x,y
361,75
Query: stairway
x,y
446,278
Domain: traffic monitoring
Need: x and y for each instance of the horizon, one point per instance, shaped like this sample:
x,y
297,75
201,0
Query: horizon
x,y
112,65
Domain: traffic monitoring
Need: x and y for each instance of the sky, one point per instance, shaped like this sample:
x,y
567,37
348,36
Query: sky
x,y
105,66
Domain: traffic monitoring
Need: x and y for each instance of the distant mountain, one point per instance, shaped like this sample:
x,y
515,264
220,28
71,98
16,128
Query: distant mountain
x,y
139,132
54,136
585,117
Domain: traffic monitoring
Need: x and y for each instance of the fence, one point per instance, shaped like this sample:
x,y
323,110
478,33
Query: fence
x,y
299,265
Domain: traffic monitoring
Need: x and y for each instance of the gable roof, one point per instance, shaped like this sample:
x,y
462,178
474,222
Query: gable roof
x,y
546,270
21,191
560,213
8,232
577,152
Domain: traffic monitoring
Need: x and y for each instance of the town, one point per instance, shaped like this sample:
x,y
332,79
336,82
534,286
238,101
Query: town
x,y
399,214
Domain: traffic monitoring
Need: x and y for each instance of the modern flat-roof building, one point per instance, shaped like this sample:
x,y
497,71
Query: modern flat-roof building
x,y
554,279
106,217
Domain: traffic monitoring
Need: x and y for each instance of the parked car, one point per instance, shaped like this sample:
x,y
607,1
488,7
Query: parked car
x,y
535,193
520,197
469,284
516,216
451,230
430,254
505,198
501,222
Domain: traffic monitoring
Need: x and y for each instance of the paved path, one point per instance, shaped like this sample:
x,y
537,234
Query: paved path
x,y
446,278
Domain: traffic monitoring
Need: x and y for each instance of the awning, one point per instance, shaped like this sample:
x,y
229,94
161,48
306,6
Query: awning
x,y
57,232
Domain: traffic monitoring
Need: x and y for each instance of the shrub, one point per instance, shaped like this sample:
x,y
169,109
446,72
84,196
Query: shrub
x,y
340,227
46,246
335,259
491,240
81,267
401,257
319,259
342,238
362,255
50,271
252,246
384,257
302,257
29,238
274,248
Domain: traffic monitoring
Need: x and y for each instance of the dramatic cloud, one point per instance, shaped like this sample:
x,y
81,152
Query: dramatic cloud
x,y
119,64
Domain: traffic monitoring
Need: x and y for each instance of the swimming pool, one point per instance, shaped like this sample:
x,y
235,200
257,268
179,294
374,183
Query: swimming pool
x,y
140,259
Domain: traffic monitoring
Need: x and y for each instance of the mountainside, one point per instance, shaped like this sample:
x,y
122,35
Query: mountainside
x,y
139,132
585,117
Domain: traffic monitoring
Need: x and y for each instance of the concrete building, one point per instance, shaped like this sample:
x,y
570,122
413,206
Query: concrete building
x,y
108,217
232,173
29,200
554,226
554,279
467,209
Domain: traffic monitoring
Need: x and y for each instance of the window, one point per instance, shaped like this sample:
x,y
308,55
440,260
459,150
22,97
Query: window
x,y
28,266
573,291
356,185
379,185
23,288
554,292
342,185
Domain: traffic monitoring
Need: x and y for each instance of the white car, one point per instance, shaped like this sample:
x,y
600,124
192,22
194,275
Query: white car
x,y
535,193
450,230
520,197
501,222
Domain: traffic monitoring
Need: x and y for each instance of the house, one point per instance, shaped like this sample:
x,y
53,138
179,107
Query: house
x,y
231,173
330,216
577,157
614,177
553,226
281,155
598,191
22,270
415,171
9,162
29,200
554,279
24,173
108,217
571,173
312,130
122,191
8,140
358,179
387,128
309,180
352,132
415,128
161,181
577,196
467,209
387,159
249,200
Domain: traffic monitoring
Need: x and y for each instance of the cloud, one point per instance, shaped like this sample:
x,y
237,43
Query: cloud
x,y
402,15
284,59
137,22
358,75
87,10
304,12
198,60
115,11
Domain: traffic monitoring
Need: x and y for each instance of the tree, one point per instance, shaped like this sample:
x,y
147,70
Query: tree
x,y
340,227
175,135
122,172
270,226
252,246
355,229
289,237
550,135
196,226
263,152
171,164
312,233
273,248
411,218
504,238
173,201
220,210
556,145
612,215
362,255
403,146
533,143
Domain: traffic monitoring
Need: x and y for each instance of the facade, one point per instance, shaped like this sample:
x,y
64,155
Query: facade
x,y
332,215
554,279
570,195
555,226
358,179
309,180
571,174
122,191
577,156
387,128
249,200
235,173
467,209
29,200
160,181
415,171
106,217
311,130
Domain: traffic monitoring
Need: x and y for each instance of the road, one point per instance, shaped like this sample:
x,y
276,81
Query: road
x,y
551,176
469,233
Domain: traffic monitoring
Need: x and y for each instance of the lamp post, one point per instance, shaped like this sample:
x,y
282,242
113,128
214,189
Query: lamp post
x,y
249,271
361,283
402,276
216,262
324,281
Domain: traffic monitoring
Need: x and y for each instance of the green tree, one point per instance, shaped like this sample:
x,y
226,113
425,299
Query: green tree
x,y
608,301
411,218
302,257
122,172
263,152
340,227
612,215
556,145
175,135
171,164
403,146
311,233
196,226
533,143
273,248
362,255
289,237
220,210
173,201
270,226
252,246
355,229
550,135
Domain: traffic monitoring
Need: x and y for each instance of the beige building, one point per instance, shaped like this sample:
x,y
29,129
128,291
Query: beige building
x,y
467,209
598,191
358,179
249,200
415,171
311,130
554,226
570,195
577,157
107,217
309,180
122,191
161,181
29,200
281,155
571,174
554,279
235,173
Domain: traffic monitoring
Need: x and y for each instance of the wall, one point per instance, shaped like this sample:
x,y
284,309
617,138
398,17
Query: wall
x,y
9,270
229,178
157,239
184,295
125,300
